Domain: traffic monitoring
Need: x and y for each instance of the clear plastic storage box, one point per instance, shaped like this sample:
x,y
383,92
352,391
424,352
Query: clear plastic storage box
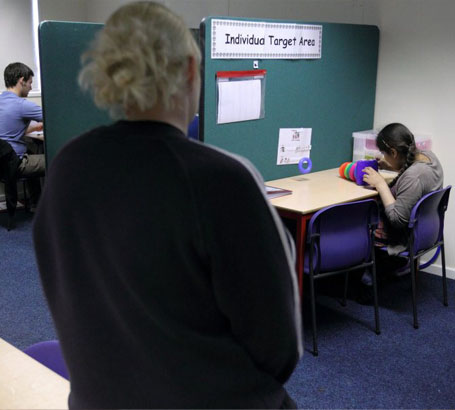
x,y
364,146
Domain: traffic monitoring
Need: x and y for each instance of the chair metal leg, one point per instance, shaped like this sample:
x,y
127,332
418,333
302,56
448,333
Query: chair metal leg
x,y
346,283
24,188
313,315
375,300
414,296
444,276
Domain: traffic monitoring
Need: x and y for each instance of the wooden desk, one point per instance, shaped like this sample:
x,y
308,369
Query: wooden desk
x,y
27,384
311,192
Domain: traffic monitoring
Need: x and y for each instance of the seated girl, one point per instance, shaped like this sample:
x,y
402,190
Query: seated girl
x,y
419,172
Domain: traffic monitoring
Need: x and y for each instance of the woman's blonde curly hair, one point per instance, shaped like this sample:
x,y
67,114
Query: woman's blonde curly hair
x,y
138,59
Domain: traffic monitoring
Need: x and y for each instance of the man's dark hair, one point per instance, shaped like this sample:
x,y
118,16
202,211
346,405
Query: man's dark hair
x,y
14,71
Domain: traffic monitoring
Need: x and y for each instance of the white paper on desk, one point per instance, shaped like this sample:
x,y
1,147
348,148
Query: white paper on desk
x,y
239,101
293,145
35,134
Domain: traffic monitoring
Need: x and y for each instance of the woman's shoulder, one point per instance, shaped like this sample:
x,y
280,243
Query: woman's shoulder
x,y
425,160
225,164
428,156
79,148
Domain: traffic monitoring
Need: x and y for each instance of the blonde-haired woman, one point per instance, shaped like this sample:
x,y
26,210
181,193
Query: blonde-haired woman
x,y
168,275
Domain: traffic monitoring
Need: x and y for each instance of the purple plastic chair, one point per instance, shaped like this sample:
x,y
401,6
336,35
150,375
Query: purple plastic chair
x,y
50,355
340,239
425,233
193,128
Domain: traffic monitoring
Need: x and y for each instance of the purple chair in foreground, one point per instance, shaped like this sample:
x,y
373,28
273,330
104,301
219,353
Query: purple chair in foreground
x,y
50,355
426,232
340,239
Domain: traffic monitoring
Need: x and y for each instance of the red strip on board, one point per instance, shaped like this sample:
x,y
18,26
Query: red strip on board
x,y
236,74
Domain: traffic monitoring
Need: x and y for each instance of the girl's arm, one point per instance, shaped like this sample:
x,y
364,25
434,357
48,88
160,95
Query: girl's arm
x,y
373,178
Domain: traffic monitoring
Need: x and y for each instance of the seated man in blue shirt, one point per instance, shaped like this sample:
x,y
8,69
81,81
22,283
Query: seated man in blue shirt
x,y
16,113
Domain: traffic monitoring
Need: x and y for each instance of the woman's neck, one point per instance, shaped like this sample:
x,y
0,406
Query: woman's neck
x,y
176,117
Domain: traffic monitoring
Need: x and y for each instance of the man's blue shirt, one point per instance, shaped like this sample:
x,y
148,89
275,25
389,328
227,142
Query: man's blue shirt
x,y
15,116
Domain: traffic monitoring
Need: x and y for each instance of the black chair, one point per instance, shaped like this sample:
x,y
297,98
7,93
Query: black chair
x,y
340,239
425,232
9,176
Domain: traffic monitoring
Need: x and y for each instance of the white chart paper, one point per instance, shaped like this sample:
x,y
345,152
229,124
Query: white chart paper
x,y
239,101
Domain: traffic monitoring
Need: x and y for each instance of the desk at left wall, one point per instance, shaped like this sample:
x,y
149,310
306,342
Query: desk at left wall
x,y
27,384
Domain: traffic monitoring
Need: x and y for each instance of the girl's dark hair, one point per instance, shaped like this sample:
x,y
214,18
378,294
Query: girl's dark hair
x,y
399,137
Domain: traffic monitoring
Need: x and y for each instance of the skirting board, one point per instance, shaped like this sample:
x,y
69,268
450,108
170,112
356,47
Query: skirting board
x,y
437,270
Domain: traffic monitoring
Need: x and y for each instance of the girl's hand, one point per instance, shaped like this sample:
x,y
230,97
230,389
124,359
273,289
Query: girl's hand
x,y
373,178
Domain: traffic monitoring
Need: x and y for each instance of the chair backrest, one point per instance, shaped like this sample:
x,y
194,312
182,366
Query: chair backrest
x,y
193,128
342,234
426,222
50,355
7,154
5,148
8,158
9,164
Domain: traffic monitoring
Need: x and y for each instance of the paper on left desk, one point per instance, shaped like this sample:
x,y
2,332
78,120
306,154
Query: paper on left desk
x,y
273,192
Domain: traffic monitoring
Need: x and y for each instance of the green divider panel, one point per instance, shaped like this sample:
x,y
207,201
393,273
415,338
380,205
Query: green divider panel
x,y
334,96
68,112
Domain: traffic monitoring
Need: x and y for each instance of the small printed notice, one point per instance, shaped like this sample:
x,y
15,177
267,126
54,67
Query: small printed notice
x,y
239,101
293,145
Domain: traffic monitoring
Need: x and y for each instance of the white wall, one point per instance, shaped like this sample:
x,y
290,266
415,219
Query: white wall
x,y
416,80
306,10
16,44
192,11
63,10
99,10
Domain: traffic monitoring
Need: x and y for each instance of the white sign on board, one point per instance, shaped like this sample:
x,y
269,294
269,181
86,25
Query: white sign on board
x,y
293,145
253,39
